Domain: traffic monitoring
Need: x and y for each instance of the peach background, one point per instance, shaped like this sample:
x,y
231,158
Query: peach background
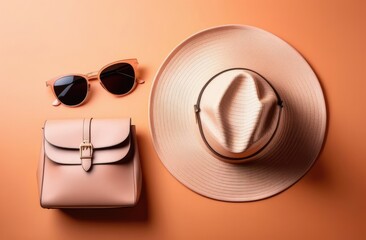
x,y
42,39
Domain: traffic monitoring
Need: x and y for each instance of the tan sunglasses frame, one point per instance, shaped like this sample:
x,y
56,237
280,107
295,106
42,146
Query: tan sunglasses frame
x,y
95,76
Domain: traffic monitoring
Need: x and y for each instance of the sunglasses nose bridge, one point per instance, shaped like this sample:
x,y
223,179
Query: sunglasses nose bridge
x,y
92,75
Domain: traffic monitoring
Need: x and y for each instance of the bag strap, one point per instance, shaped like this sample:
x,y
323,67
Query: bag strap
x,y
86,147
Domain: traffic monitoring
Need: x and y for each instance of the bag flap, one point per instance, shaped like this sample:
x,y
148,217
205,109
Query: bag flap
x,y
110,138
103,132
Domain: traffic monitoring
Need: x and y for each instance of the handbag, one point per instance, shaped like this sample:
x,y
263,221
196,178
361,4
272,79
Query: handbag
x,y
89,163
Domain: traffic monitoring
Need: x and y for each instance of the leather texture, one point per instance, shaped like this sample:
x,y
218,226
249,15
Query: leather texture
x,y
89,163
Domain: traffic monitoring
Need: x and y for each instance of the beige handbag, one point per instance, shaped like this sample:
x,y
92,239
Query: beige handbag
x,y
89,163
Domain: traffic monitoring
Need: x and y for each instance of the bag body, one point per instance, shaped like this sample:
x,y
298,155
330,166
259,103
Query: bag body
x,y
89,163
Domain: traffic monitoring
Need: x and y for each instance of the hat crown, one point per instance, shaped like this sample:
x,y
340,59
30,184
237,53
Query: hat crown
x,y
239,113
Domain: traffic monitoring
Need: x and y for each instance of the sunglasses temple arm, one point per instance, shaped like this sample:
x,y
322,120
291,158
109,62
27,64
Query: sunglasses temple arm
x,y
56,103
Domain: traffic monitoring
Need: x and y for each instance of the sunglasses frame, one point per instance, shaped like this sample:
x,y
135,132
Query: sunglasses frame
x,y
91,76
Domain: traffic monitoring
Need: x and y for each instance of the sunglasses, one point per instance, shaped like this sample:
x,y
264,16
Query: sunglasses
x,y
118,78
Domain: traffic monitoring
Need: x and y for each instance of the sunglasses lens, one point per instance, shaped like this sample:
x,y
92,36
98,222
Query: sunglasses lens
x,y
119,78
71,90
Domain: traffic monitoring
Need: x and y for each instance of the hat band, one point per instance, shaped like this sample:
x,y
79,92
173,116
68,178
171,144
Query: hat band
x,y
197,111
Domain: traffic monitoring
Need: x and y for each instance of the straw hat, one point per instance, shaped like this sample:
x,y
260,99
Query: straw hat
x,y
237,114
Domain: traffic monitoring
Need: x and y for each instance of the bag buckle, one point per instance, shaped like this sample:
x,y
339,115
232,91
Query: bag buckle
x,y
86,154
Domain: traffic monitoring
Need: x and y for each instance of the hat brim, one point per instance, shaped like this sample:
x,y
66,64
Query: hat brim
x,y
298,139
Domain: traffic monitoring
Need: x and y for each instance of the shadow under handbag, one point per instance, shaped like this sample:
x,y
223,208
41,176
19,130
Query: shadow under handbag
x,y
89,163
